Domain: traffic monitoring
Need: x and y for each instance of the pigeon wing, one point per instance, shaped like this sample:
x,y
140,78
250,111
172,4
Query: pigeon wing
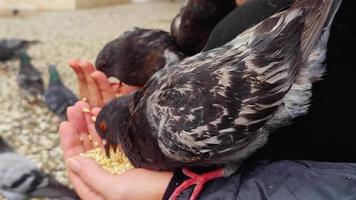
x,y
214,103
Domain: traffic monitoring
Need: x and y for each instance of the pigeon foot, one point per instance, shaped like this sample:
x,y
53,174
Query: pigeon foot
x,y
196,179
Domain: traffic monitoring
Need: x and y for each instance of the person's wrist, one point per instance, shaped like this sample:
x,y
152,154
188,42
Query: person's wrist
x,y
161,184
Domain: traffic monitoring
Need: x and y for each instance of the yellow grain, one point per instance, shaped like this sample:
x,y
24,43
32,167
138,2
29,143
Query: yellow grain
x,y
118,163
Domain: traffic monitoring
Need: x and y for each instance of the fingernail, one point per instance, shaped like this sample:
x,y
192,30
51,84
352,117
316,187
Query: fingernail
x,y
73,165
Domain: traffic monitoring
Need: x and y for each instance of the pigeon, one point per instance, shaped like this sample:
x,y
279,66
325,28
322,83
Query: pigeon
x,y
137,54
20,179
9,47
197,18
217,108
29,79
58,97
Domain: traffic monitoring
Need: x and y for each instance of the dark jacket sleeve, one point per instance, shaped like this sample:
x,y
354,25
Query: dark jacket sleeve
x,y
284,180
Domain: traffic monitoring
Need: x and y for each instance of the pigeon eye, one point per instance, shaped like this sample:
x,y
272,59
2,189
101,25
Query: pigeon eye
x,y
103,127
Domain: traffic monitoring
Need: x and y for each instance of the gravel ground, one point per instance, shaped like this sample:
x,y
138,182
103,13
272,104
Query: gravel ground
x,y
65,34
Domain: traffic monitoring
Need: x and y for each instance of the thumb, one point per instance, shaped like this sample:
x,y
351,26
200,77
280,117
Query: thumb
x,y
95,111
91,173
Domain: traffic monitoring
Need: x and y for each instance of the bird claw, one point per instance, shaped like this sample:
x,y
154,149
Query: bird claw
x,y
196,179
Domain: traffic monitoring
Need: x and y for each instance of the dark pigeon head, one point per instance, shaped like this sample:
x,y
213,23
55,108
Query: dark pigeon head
x,y
117,126
137,54
27,43
197,18
112,120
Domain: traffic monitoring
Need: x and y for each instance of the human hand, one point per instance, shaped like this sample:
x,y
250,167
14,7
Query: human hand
x,y
93,85
240,2
89,180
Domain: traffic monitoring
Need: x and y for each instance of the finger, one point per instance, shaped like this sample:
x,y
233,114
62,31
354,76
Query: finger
x,y
104,86
85,169
95,111
82,83
116,88
76,117
90,121
94,92
69,139
127,89
83,190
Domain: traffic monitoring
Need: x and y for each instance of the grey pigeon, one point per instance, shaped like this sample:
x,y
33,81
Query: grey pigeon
x,y
20,179
10,46
218,107
29,79
58,97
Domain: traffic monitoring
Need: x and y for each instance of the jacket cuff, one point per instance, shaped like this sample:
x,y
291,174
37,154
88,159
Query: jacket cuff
x,y
177,179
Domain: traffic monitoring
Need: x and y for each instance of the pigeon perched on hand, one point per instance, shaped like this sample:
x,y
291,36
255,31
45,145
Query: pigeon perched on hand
x,y
197,18
137,54
29,79
58,97
9,47
217,108
21,180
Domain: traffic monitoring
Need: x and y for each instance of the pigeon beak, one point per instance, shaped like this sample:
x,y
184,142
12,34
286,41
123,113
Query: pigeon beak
x,y
107,150
55,190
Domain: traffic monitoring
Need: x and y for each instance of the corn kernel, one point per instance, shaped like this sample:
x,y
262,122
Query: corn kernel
x,y
93,118
119,95
86,110
118,163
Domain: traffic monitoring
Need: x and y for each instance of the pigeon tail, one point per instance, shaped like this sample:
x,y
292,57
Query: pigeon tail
x,y
320,14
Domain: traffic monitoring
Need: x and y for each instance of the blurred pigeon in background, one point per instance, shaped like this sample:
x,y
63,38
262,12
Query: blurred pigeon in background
x,y
29,79
57,96
9,47
21,180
